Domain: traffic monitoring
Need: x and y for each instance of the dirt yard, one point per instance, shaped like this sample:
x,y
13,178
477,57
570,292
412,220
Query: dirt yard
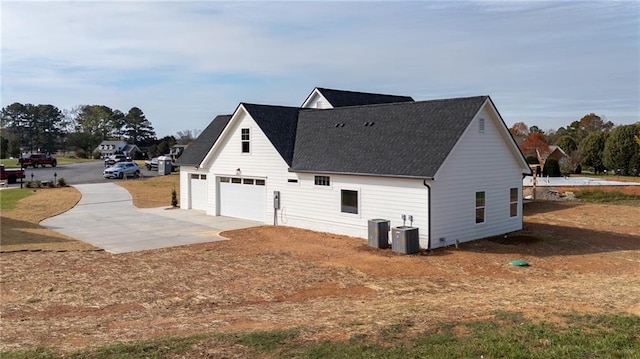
x,y
584,258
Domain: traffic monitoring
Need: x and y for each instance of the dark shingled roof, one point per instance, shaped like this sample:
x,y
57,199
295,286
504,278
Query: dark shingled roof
x,y
400,139
279,124
195,153
341,98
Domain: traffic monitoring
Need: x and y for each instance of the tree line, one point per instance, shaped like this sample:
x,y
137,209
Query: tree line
x,y
591,143
28,128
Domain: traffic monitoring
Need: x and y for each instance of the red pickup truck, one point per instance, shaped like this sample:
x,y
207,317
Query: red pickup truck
x,y
36,159
10,175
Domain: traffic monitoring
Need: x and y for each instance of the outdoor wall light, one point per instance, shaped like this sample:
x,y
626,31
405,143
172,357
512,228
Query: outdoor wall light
x,y
238,172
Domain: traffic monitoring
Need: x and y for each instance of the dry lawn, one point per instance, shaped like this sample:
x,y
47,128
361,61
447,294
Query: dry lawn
x,y
153,191
584,258
20,229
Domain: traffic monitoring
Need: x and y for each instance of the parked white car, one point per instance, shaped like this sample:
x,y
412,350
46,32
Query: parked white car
x,y
121,169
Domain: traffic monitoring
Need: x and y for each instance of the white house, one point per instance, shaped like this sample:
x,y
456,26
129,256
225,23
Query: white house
x,y
108,148
346,157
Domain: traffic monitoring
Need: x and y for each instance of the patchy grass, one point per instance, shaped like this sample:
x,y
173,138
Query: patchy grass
x,y
20,228
9,198
24,209
13,162
610,197
506,335
70,160
153,191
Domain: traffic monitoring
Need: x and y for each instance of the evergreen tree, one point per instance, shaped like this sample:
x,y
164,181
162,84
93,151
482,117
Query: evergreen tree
x,y
621,150
137,128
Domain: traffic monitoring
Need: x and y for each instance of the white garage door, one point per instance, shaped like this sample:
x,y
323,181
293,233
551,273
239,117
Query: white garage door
x,y
198,191
243,198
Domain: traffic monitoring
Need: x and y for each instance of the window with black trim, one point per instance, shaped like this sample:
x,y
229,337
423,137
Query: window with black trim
x,y
245,139
513,202
322,181
349,201
480,205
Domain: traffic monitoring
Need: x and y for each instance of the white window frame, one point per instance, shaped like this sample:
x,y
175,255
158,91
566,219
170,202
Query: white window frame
x,y
482,206
349,214
513,203
247,141
321,185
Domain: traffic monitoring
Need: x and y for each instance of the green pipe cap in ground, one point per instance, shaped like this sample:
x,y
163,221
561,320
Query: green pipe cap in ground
x,y
519,263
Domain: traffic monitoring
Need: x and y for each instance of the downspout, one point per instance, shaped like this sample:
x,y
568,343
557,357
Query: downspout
x,y
424,182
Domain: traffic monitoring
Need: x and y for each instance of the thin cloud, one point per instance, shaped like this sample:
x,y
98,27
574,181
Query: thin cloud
x,y
543,63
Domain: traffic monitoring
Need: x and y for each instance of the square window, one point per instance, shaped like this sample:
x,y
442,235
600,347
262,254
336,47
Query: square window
x,y
195,176
245,139
349,201
259,182
247,181
322,181
480,205
236,180
224,179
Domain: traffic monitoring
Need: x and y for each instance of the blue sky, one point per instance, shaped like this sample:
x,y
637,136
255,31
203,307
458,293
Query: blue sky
x,y
182,63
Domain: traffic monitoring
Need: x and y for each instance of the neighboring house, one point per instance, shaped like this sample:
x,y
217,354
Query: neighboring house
x,y
176,151
553,152
108,148
450,164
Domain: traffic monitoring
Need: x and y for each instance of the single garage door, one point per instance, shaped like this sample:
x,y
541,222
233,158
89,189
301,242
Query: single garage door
x,y
199,191
243,198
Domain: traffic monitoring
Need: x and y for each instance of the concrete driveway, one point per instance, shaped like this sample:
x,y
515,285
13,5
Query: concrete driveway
x,y
106,218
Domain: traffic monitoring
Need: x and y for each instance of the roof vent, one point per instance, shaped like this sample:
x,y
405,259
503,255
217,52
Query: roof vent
x,y
368,124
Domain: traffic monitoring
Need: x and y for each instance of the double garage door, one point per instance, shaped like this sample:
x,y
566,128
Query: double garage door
x,y
243,198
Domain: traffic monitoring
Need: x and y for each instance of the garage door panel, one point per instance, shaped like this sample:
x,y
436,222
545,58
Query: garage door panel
x,y
243,200
198,192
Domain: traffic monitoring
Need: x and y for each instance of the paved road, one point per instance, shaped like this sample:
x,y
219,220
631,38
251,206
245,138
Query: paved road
x,y
106,218
76,173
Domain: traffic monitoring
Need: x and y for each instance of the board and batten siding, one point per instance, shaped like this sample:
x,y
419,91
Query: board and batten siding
x,y
481,161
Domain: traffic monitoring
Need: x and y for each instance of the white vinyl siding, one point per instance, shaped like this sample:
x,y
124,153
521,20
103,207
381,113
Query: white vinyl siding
x,y
480,162
264,166
319,208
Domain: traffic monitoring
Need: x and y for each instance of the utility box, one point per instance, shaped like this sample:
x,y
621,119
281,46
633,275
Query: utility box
x,y
405,239
165,165
379,233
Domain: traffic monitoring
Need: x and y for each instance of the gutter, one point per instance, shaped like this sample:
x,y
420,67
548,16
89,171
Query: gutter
x,y
424,182
291,170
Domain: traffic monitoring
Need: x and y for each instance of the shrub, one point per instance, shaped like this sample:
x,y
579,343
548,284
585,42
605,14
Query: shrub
x,y
578,170
62,182
97,155
81,154
533,160
174,198
34,184
551,168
